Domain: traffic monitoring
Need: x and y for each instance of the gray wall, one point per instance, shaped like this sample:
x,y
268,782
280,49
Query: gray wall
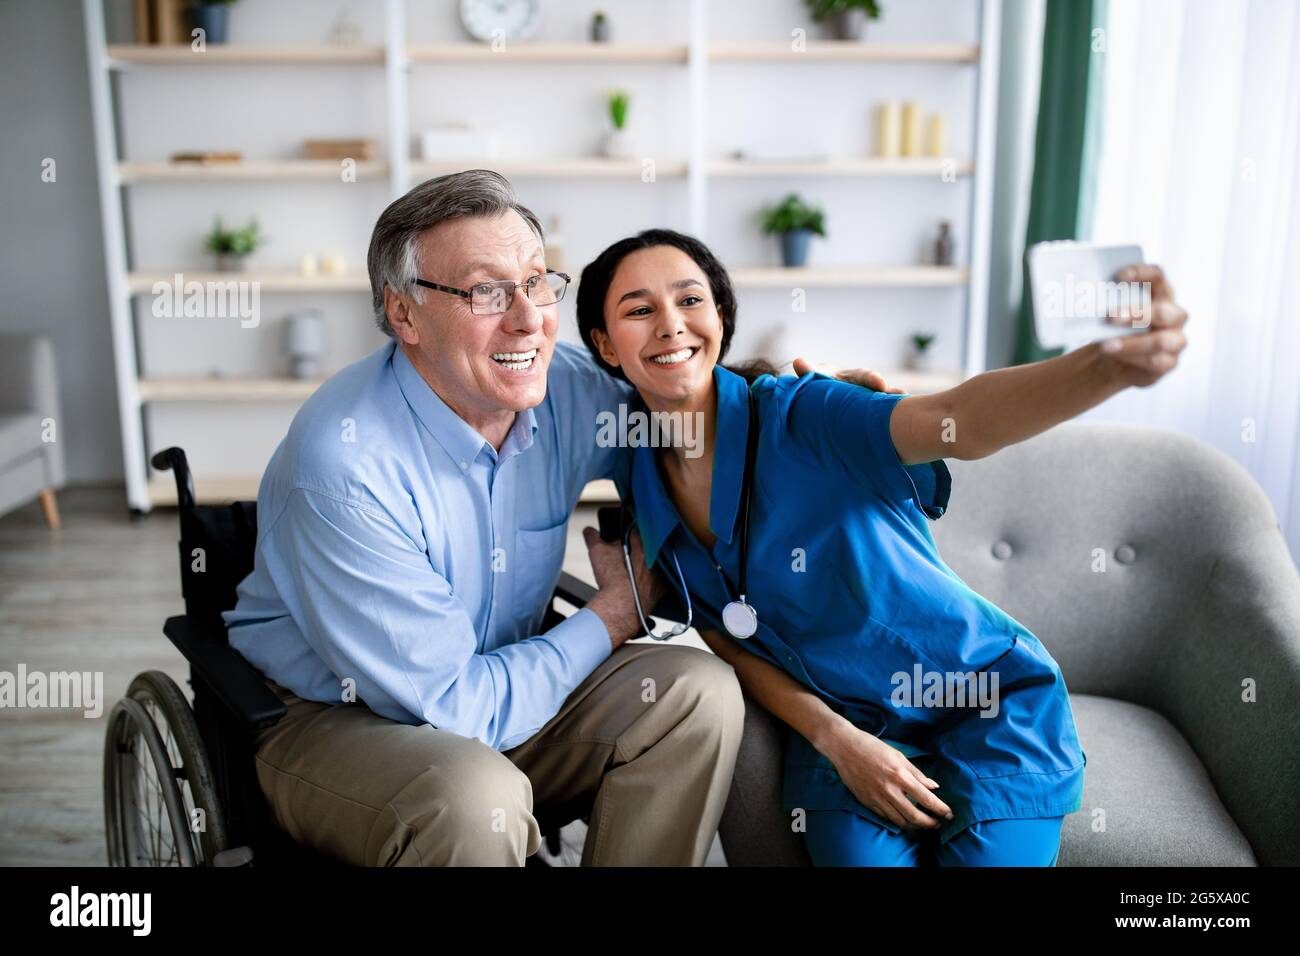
x,y
51,250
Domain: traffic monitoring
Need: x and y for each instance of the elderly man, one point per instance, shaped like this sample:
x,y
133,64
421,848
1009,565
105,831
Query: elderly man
x,y
411,530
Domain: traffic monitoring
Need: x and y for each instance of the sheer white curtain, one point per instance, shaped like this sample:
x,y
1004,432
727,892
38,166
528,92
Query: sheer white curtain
x,y
1198,163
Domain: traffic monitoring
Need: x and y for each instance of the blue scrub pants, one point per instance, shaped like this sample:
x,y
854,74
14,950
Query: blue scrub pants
x,y
842,838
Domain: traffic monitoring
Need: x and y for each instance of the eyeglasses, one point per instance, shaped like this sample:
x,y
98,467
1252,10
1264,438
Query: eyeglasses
x,y
493,298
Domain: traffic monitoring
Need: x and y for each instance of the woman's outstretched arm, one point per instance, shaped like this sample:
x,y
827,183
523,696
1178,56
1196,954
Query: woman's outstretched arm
x,y
877,774
999,408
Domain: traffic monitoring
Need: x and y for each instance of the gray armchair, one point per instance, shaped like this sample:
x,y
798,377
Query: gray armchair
x,y
30,466
1182,656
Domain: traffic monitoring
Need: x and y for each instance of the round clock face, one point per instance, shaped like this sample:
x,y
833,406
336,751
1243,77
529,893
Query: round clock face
x,y
488,20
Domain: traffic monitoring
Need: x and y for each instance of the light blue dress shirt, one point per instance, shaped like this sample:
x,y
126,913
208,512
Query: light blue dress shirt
x,y
398,549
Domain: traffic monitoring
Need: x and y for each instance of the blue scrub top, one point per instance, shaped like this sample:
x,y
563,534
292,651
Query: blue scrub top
x,y
855,603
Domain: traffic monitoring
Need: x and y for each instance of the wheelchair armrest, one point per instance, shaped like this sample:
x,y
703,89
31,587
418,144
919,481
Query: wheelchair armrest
x,y
578,592
574,590
236,683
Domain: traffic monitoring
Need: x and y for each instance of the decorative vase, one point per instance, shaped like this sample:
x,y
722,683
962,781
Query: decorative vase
x,y
943,245
794,247
231,262
616,144
847,24
213,19
304,343
599,29
917,360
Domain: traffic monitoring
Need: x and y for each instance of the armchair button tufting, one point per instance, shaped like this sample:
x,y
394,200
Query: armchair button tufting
x,y
1002,550
1125,554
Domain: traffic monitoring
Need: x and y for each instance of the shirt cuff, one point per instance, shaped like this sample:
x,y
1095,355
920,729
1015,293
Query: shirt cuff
x,y
584,641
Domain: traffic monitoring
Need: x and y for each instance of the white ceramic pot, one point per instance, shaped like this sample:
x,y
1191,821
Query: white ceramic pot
x,y
917,361
616,144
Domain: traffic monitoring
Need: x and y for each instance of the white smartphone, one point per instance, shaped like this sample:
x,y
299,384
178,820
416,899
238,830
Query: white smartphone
x,y
1073,291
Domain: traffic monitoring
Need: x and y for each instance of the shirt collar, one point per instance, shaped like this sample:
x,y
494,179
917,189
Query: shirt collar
x,y
458,438
656,515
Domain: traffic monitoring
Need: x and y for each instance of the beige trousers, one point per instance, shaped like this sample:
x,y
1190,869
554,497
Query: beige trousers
x,y
648,741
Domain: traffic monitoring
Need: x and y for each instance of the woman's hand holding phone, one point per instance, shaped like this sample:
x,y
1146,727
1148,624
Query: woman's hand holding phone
x,y
884,781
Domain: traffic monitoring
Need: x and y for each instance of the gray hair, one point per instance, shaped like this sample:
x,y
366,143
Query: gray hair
x,y
394,256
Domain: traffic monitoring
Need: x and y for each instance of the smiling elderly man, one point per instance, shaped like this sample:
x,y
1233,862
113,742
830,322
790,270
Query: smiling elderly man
x,y
411,530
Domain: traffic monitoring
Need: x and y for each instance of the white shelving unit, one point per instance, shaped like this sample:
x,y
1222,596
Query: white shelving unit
x,y
397,58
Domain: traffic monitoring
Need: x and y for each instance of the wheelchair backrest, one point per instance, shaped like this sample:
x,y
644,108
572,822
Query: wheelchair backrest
x,y
217,542
217,546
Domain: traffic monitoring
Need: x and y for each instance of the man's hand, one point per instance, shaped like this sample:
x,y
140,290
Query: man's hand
x,y
1143,358
613,602
854,376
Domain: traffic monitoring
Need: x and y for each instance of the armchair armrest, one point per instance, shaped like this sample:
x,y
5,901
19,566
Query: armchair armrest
x,y
237,683
29,383
1244,627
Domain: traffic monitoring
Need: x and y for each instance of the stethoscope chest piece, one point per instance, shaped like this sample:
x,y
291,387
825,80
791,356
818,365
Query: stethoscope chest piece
x,y
740,620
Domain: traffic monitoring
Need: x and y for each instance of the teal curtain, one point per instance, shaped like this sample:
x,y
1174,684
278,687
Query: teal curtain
x,y
1067,141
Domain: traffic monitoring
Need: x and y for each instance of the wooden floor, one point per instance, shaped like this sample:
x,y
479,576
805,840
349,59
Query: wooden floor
x,y
92,597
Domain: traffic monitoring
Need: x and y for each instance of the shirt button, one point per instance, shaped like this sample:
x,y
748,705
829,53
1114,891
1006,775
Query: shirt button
x,y
464,465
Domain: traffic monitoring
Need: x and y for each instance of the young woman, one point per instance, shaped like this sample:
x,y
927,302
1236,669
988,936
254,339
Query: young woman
x,y
858,618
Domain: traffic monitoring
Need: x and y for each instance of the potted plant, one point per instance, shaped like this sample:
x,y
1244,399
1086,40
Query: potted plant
x,y
599,27
795,222
845,18
213,18
615,144
919,358
233,246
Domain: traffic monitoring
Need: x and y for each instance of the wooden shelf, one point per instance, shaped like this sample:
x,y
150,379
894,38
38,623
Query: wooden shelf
x,y
207,491
575,168
232,389
850,50
143,282
601,491
523,52
247,169
922,382
221,489
217,54
778,277
864,166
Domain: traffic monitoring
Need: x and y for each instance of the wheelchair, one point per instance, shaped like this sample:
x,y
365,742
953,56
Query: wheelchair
x,y
180,787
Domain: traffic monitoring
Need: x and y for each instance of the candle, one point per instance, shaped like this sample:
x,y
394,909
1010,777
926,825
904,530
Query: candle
x,y
911,129
937,141
307,265
887,131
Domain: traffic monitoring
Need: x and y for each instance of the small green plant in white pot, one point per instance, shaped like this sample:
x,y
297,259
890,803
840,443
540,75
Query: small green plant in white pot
x,y
918,358
796,223
844,19
616,144
232,247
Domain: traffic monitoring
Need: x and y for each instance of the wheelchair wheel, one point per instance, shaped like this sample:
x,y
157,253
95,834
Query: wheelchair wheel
x,y
156,776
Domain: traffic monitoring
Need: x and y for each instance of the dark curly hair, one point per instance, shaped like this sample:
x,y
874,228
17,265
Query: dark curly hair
x,y
598,274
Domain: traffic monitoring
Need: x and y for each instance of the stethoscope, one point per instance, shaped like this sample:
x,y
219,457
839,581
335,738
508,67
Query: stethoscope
x,y
738,617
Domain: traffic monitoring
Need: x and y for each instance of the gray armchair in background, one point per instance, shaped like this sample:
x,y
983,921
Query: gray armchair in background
x,y
1153,569
30,465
